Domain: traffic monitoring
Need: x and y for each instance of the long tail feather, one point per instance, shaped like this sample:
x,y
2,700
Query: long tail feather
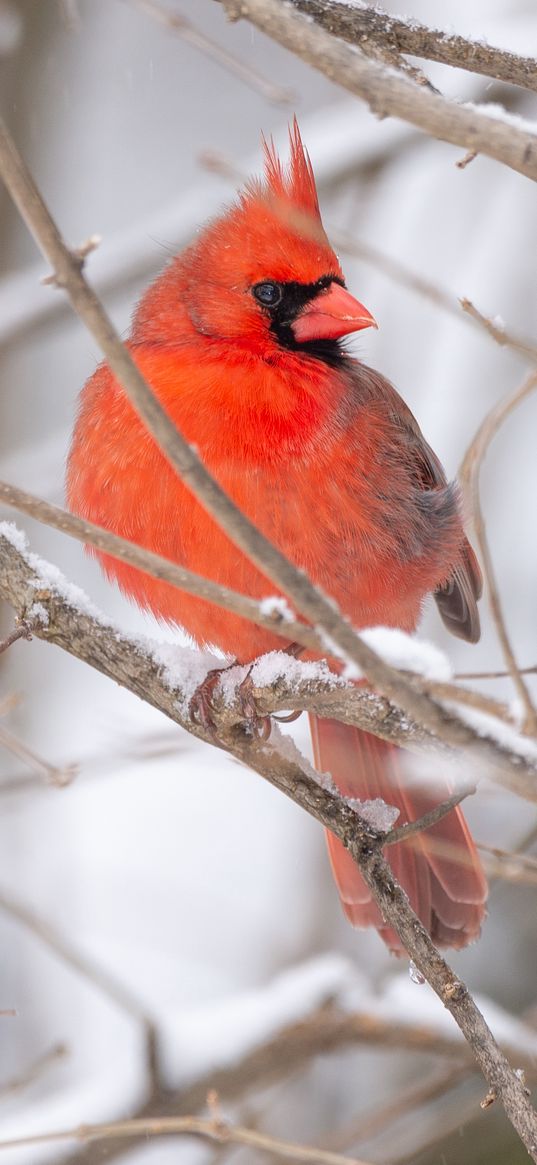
x,y
439,868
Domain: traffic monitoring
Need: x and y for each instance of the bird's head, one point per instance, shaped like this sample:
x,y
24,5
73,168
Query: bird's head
x,y
264,274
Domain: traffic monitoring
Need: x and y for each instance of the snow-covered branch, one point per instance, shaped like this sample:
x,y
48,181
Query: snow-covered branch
x,y
365,26
167,677
69,621
388,91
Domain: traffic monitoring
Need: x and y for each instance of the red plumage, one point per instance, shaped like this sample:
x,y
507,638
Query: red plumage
x,y
240,339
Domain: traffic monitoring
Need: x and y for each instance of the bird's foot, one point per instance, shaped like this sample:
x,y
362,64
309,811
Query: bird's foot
x,y
201,705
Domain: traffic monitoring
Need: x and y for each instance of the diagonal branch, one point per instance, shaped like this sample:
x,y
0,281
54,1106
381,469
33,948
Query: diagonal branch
x,y
363,26
280,623
26,580
387,91
82,634
86,966
178,24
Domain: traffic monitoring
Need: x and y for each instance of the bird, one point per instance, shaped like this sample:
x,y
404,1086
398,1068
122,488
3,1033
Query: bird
x,y
242,338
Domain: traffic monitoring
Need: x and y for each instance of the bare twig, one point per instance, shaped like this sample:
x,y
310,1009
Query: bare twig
x,y
428,819
469,476
55,774
328,1030
472,699
22,631
498,332
34,1070
178,24
211,1130
494,675
86,966
387,91
427,1088
90,534
510,865
363,25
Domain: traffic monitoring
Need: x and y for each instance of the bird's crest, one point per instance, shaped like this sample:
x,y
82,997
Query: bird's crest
x,y
294,183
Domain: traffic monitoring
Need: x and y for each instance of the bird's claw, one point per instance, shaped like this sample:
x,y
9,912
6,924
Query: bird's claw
x,y
201,705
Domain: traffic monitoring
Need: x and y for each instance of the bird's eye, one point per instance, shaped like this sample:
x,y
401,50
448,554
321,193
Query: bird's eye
x,y
269,294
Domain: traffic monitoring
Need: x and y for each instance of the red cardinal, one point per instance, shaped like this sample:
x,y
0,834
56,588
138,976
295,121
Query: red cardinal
x,y
240,338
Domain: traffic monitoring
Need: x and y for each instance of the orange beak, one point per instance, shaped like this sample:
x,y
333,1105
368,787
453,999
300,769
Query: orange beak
x,y
331,314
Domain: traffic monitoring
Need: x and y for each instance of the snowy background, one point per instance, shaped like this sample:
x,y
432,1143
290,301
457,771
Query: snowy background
x,y
152,866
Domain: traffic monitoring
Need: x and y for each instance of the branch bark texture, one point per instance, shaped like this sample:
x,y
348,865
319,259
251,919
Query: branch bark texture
x,y
387,91
86,637
364,26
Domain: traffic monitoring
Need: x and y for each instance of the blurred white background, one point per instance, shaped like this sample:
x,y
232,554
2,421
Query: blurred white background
x,y
175,869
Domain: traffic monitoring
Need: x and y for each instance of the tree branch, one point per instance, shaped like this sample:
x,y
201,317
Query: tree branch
x,y
361,26
178,24
498,332
211,1130
469,476
387,91
94,641
185,580
83,635
86,966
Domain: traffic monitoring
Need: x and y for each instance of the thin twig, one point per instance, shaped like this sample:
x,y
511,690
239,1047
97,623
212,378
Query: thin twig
x,y
494,675
89,968
428,819
22,631
387,91
289,629
60,776
407,1100
329,1030
472,699
34,1070
362,25
498,331
211,1130
469,475
178,24
512,866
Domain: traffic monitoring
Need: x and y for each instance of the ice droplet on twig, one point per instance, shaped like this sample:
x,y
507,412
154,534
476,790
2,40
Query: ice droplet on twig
x,y
415,975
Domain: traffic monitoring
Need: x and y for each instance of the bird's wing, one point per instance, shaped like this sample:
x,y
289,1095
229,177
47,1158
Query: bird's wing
x,y
457,598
